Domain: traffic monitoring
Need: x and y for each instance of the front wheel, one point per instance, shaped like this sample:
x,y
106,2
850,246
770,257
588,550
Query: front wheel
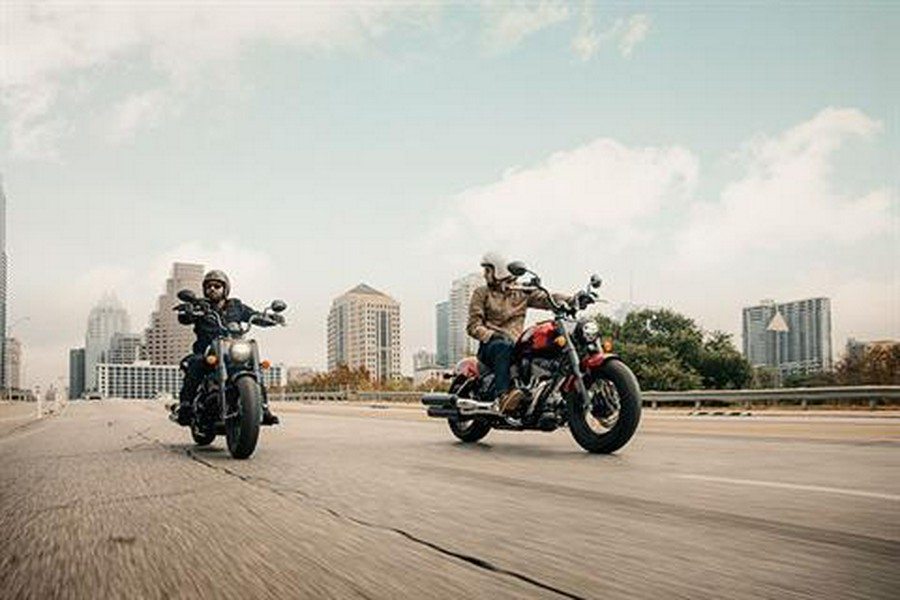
x,y
242,426
606,423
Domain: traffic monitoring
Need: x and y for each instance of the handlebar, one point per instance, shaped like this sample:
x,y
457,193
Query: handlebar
x,y
200,309
582,299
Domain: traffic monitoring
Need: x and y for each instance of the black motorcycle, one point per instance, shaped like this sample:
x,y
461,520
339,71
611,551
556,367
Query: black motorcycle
x,y
564,374
230,398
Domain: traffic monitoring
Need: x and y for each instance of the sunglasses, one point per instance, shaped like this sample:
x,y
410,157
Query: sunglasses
x,y
213,285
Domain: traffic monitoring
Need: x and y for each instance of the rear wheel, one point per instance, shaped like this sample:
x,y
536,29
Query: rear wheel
x,y
606,423
467,430
242,427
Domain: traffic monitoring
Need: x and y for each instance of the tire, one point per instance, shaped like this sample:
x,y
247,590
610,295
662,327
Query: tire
x,y
471,430
242,430
203,438
622,426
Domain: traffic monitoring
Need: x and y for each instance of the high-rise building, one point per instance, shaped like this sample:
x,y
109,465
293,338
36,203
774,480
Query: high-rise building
x,y
442,334
460,343
364,331
76,373
13,364
106,319
794,337
166,340
3,367
125,348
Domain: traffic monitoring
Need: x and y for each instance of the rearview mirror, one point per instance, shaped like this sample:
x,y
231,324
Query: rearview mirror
x,y
187,296
278,306
596,281
517,268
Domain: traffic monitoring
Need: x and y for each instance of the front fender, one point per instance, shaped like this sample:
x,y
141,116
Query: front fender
x,y
589,363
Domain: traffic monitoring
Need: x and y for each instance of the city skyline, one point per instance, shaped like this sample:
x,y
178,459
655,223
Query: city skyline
x,y
698,157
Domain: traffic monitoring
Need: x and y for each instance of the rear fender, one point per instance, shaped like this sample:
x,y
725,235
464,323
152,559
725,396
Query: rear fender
x,y
589,363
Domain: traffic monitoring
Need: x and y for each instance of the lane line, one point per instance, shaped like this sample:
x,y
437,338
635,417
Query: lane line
x,y
792,486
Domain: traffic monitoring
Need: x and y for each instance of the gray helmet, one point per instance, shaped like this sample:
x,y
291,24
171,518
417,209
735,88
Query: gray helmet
x,y
221,277
498,263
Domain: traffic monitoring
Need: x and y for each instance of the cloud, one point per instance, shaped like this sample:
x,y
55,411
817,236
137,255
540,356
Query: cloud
x,y
600,188
143,109
786,197
624,33
635,30
506,24
46,46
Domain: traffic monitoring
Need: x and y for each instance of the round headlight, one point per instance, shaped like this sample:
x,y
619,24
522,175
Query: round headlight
x,y
240,352
590,330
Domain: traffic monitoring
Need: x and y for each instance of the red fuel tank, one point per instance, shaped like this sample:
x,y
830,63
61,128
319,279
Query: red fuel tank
x,y
538,337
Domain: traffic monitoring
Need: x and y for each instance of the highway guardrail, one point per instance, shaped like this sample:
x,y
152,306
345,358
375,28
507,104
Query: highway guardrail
x,y
872,395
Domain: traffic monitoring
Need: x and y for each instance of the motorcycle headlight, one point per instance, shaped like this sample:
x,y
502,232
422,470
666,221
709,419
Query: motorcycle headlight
x,y
240,352
590,331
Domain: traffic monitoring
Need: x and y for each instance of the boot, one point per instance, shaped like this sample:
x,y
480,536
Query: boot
x,y
267,417
510,401
185,413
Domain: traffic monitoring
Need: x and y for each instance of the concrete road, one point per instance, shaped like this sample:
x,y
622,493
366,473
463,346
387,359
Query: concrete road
x,y
110,500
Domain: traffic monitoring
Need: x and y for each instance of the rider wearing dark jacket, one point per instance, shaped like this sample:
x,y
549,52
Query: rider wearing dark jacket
x,y
216,288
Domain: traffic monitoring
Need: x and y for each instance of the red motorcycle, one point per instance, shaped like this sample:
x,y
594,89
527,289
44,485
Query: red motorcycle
x,y
566,377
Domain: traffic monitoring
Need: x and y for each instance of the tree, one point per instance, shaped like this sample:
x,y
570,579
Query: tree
x,y
721,365
877,364
669,351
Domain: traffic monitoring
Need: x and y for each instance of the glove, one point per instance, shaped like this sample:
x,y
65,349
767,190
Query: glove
x,y
583,299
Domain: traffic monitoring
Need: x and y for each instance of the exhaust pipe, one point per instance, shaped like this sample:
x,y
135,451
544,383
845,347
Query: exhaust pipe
x,y
442,413
440,400
467,406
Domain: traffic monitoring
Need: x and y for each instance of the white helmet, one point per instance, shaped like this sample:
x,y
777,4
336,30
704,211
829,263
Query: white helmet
x,y
498,263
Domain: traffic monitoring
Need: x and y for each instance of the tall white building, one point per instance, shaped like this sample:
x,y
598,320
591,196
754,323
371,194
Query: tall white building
x,y
460,343
364,331
104,321
794,337
168,341
13,364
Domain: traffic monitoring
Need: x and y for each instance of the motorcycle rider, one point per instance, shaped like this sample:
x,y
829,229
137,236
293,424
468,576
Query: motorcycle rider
x,y
216,288
496,319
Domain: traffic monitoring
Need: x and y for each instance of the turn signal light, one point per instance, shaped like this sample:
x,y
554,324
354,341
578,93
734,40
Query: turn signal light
x,y
608,345
212,360
265,365
560,341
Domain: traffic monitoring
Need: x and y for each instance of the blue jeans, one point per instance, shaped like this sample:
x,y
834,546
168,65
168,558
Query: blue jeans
x,y
497,354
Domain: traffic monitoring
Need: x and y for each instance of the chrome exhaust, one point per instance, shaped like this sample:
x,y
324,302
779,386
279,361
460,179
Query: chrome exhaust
x,y
468,406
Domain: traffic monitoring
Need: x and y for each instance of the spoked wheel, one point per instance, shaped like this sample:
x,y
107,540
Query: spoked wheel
x,y
242,425
608,421
468,430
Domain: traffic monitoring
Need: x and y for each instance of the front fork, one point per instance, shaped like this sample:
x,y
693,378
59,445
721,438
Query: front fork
x,y
575,366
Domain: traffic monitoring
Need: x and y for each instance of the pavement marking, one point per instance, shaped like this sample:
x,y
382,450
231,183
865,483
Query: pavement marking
x,y
793,486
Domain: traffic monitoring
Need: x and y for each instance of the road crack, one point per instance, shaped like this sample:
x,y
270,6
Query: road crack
x,y
293,493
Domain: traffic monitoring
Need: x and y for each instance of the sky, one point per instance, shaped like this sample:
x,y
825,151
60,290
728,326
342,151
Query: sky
x,y
698,156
